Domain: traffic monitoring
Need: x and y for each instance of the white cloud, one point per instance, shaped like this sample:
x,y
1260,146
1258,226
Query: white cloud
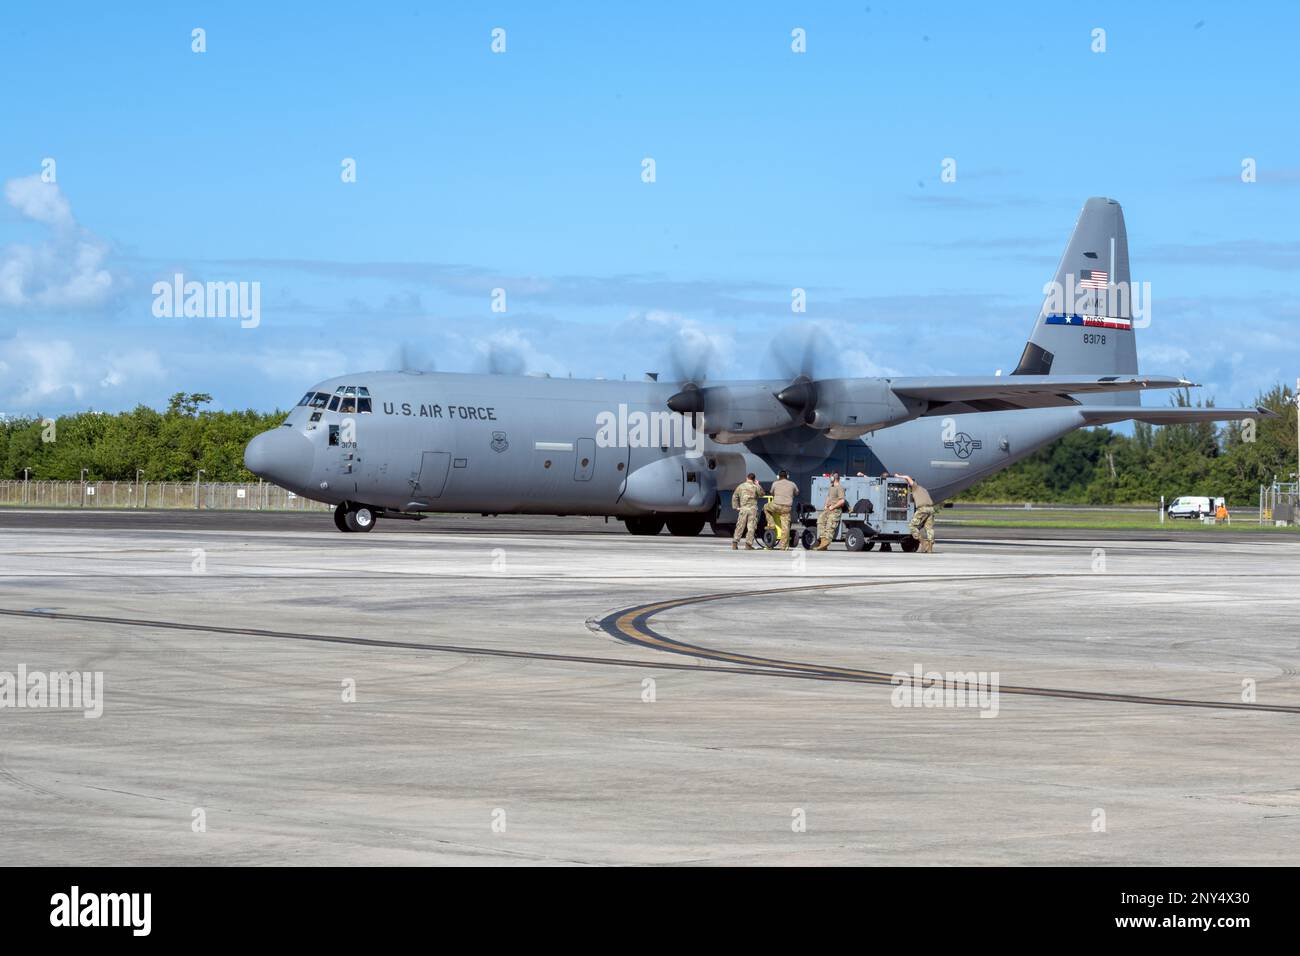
x,y
66,271
691,350
510,352
1159,356
40,372
39,201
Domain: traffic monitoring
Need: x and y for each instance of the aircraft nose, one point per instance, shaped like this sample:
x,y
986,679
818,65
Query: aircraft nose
x,y
282,456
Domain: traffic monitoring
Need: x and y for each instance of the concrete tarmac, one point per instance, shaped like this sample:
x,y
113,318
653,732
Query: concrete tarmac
x,y
541,690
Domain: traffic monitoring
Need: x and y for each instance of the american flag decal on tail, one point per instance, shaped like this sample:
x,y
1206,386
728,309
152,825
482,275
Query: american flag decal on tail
x,y
1092,279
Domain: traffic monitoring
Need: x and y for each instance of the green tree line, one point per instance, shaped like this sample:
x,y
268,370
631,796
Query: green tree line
x,y
168,446
1100,466
1088,466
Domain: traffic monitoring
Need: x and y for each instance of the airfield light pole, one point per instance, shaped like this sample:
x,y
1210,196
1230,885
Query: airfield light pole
x,y
196,488
26,493
83,486
138,473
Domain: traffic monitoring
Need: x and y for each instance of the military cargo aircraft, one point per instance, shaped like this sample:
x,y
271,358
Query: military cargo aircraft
x,y
402,444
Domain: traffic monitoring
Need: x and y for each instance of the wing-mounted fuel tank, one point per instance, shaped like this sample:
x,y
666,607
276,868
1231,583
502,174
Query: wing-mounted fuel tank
x,y
848,407
678,483
730,414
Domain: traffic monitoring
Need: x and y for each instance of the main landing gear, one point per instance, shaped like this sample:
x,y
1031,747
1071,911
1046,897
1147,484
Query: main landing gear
x,y
350,516
681,526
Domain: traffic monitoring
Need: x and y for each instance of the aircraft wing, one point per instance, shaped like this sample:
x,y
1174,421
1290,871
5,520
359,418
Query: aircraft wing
x,y
997,393
1106,414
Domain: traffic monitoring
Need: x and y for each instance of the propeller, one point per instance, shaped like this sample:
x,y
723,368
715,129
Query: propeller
x,y
735,410
413,358
797,355
689,358
504,359
800,396
689,401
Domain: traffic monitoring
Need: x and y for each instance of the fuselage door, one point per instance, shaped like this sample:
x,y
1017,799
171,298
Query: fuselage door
x,y
584,463
433,474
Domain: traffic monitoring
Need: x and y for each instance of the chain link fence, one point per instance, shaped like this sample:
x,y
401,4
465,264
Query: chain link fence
x,y
1279,501
213,495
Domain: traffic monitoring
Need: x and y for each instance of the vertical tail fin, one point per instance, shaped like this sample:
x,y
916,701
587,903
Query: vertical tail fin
x,y
1086,322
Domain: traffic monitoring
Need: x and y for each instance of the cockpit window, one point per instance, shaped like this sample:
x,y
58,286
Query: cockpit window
x,y
347,400
349,403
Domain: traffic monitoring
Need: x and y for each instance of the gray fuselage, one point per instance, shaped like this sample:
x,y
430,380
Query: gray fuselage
x,y
454,442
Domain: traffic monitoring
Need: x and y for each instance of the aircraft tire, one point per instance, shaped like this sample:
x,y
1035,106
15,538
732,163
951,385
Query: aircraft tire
x,y
909,544
341,518
721,530
647,525
360,518
685,526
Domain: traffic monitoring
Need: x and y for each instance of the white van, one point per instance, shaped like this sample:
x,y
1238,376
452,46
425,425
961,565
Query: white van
x,y
1191,506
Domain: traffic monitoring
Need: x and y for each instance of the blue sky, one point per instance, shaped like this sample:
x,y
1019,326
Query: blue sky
x,y
523,171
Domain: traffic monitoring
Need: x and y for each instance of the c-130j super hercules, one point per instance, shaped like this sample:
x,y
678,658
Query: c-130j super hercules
x,y
397,444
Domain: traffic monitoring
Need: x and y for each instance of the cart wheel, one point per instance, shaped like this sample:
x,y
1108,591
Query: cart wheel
x,y
809,538
854,539
769,538
909,544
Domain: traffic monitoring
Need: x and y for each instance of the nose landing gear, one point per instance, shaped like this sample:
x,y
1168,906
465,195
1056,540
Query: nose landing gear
x,y
350,516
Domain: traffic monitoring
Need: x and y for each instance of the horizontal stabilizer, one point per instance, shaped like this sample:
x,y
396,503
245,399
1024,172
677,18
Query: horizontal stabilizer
x,y
1106,414
951,395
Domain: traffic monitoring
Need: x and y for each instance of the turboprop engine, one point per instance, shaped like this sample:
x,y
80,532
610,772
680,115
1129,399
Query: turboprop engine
x,y
848,407
730,414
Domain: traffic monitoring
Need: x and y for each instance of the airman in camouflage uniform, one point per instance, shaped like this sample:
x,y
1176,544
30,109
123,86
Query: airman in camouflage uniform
x,y
829,520
745,500
922,523
778,509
